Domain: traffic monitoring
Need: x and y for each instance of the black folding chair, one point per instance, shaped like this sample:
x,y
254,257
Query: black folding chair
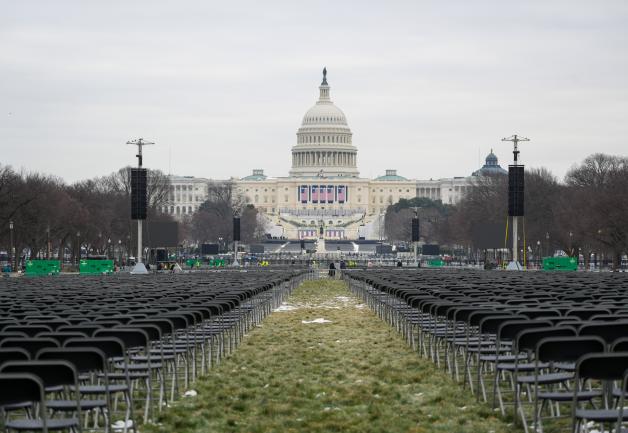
x,y
560,354
19,389
53,374
86,361
605,368
114,350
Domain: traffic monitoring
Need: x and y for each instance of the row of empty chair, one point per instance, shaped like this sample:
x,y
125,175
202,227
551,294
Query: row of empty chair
x,y
77,352
550,347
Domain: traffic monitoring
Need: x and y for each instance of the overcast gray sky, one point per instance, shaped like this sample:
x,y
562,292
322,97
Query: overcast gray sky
x,y
221,86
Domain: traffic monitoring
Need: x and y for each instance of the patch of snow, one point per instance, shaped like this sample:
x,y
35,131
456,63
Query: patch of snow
x,y
319,320
286,307
120,425
360,306
190,393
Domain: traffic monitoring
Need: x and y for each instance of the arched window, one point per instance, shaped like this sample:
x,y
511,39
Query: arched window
x,y
178,210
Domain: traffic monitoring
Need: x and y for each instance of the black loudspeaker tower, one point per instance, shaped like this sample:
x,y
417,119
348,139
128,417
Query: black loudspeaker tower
x,y
415,229
138,193
515,190
302,244
236,229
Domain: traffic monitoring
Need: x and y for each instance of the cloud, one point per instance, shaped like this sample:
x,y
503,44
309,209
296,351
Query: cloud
x,y
222,86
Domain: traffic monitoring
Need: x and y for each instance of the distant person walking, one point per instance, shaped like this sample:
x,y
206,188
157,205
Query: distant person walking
x,y
332,270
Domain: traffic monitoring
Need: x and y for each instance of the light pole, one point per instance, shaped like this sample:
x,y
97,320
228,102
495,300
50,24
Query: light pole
x,y
570,244
78,241
109,248
547,244
538,253
128,248
48,242
119,252
12,247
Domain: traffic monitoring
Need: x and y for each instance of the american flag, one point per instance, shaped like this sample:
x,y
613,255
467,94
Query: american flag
x,y
341,194
304,193
330,193
314,193
322,193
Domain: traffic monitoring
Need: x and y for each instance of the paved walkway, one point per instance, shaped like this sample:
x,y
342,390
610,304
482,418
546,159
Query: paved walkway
x,y
323,362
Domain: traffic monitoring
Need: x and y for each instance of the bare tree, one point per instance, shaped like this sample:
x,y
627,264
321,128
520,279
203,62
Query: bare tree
x,y
214,218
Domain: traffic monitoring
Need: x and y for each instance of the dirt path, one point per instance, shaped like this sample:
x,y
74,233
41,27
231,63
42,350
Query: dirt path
x,y
324,363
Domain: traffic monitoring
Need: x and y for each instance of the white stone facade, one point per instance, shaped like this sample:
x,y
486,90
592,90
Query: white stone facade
x,y
323,188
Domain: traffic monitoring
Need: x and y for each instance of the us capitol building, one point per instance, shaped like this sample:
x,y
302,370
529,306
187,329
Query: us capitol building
x,y
324,187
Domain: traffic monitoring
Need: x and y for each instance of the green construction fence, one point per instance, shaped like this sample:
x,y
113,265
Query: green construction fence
x,y
560,264
43,267
96,267
436,263
193,263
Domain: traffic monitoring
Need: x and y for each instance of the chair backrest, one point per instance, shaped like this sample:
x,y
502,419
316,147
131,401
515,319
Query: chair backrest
x,y
490,324
51,373
609,331
586,313
88,329
54,323
12,334
527,339
110,346
535,313
165,325
30,330
475,318
508,330
153,331
603,366
61,337
568,349
13,354
130,337
84,359
620,345
7,322
31,345
20,387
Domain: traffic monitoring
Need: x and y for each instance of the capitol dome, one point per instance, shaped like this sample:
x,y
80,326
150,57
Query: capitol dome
x,y
491,166
324,114
324,141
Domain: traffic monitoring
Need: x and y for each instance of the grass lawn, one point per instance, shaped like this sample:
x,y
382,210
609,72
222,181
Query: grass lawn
x,y
354,374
